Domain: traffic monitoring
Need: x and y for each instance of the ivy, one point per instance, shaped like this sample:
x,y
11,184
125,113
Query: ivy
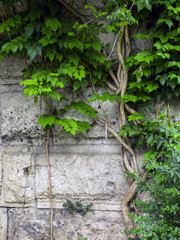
x,y
163,58
63,47
104,97
162,162
64,52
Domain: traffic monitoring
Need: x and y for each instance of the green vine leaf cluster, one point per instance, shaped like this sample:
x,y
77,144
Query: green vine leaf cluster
x,y
104,97
162,160
119,15
62,54
157,71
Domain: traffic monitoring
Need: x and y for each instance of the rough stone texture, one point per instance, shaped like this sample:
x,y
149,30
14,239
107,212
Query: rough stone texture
x,y
30,224
19,115
177,111
3,223
11,70
86,172
1,166
139,45
18,176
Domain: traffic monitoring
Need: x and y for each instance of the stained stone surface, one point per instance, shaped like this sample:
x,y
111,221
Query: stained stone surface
x,y
30,224
19,115
3,223
18,176
1,166
177,111
85,172
11,70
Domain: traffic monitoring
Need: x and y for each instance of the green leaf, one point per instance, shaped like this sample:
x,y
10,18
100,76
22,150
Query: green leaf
x,y
82,125
14,48
159,69
83,107
141,36
69,125
162,81
44,41
31,53
76,85
149,140
2,28
141,4
158,45
97,46
104,97
29,29
53,23
78,44
75,25
167,21
47,120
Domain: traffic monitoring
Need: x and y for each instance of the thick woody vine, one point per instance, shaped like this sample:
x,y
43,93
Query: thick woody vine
x,y
65,51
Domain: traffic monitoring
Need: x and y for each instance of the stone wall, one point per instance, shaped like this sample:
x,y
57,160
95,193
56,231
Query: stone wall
x,y
86,167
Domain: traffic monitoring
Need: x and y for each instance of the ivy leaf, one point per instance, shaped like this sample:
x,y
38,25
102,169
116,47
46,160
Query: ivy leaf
x,y
143,4
97,46
2,28
105,97
141,36
69,125
47,120
83,107
29,30
150,140
162,81
50,55
78,44
76,85
53,23
158,45
55,95
167,21
82,125
33,51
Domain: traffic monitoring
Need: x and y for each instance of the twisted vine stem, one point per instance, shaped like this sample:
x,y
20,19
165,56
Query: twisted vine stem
x,y
120,80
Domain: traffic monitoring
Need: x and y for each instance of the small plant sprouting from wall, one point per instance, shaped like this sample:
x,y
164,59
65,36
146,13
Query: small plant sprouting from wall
x,y
77,207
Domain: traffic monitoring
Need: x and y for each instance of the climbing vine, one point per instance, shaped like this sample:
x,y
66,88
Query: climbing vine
x,y
65,51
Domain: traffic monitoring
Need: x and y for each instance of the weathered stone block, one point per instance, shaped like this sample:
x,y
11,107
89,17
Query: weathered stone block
x,y
90,173
18,176
30,224
177,111
3,223
1,167
11,69
19,116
